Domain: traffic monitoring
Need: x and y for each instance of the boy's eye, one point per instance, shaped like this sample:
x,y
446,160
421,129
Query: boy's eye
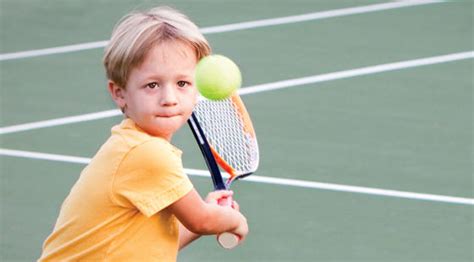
x,y
182,83
152,85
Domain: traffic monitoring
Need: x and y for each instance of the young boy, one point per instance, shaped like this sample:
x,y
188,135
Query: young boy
x,y
134,202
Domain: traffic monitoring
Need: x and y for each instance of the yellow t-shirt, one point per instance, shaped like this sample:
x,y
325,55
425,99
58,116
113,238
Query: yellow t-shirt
x,y
116,210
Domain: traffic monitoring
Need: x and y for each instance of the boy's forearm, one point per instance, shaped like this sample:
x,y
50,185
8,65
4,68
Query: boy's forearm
x,y
186,236
227,219
204,218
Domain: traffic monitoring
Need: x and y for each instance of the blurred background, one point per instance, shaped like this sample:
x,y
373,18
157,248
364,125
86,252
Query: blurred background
x,y
366,121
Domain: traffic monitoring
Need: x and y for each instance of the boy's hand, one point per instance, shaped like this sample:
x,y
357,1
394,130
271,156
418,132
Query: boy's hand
x,y
242,230
216,197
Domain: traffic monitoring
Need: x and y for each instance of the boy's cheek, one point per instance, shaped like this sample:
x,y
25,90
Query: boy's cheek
x,y
195,96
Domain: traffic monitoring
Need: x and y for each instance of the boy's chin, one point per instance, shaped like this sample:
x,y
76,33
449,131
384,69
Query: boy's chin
x,y
164,128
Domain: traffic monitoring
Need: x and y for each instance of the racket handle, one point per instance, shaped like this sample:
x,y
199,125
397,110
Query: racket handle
x,y
227,240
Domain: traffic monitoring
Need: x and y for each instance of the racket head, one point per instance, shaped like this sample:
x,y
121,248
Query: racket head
x,y
230,134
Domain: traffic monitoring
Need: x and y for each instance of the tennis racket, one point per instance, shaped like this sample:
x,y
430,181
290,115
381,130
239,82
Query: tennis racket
x,y
225,134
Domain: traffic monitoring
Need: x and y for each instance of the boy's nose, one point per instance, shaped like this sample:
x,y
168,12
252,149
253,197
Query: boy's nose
x,y
168,96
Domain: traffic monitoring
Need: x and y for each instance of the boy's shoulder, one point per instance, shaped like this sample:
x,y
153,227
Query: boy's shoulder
x,y
129,133
138,144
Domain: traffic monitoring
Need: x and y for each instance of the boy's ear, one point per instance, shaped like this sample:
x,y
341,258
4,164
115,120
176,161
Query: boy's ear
x,y
117,94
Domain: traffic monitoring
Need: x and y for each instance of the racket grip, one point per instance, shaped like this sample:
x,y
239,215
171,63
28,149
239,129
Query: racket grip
x,y
227,240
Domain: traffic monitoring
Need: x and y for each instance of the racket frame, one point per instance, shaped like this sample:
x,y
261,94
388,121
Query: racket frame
x,y
205,148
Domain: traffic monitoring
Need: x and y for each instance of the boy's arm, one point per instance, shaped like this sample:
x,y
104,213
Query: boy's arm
x,y
186,236
203,218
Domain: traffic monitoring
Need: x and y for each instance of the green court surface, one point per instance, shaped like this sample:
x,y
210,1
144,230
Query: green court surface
x,y
404,129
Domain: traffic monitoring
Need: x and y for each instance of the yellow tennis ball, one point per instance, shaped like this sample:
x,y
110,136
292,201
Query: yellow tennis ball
x,y
217,77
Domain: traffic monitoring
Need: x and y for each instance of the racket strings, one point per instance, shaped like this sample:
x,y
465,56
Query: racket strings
x,y
223,125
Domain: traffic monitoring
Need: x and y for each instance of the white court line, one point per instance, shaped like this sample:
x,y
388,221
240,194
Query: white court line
x,y
232,27
260,88
357,72
60,121
268,180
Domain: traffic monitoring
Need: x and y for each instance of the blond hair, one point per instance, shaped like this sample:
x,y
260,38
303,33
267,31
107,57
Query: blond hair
x,y
136,34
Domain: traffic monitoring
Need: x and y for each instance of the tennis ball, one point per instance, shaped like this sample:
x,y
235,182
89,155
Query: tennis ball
x,y
217,77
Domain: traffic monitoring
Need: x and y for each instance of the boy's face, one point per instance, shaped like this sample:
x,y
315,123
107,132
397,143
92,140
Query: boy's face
x,y
160,94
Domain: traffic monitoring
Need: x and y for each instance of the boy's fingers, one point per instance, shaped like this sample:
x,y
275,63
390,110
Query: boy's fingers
x,y
213,197
235,205
221,193
226,192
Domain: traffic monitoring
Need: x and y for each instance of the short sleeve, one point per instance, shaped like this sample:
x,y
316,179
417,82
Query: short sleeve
x,y
150,178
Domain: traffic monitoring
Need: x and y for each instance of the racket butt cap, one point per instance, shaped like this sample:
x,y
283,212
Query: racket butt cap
x,y
228,240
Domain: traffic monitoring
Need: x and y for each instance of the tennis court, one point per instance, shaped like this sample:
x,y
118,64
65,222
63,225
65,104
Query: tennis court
x,y
363,111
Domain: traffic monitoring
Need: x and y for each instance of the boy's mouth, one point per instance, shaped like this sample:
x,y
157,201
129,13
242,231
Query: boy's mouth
x,y
167,115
